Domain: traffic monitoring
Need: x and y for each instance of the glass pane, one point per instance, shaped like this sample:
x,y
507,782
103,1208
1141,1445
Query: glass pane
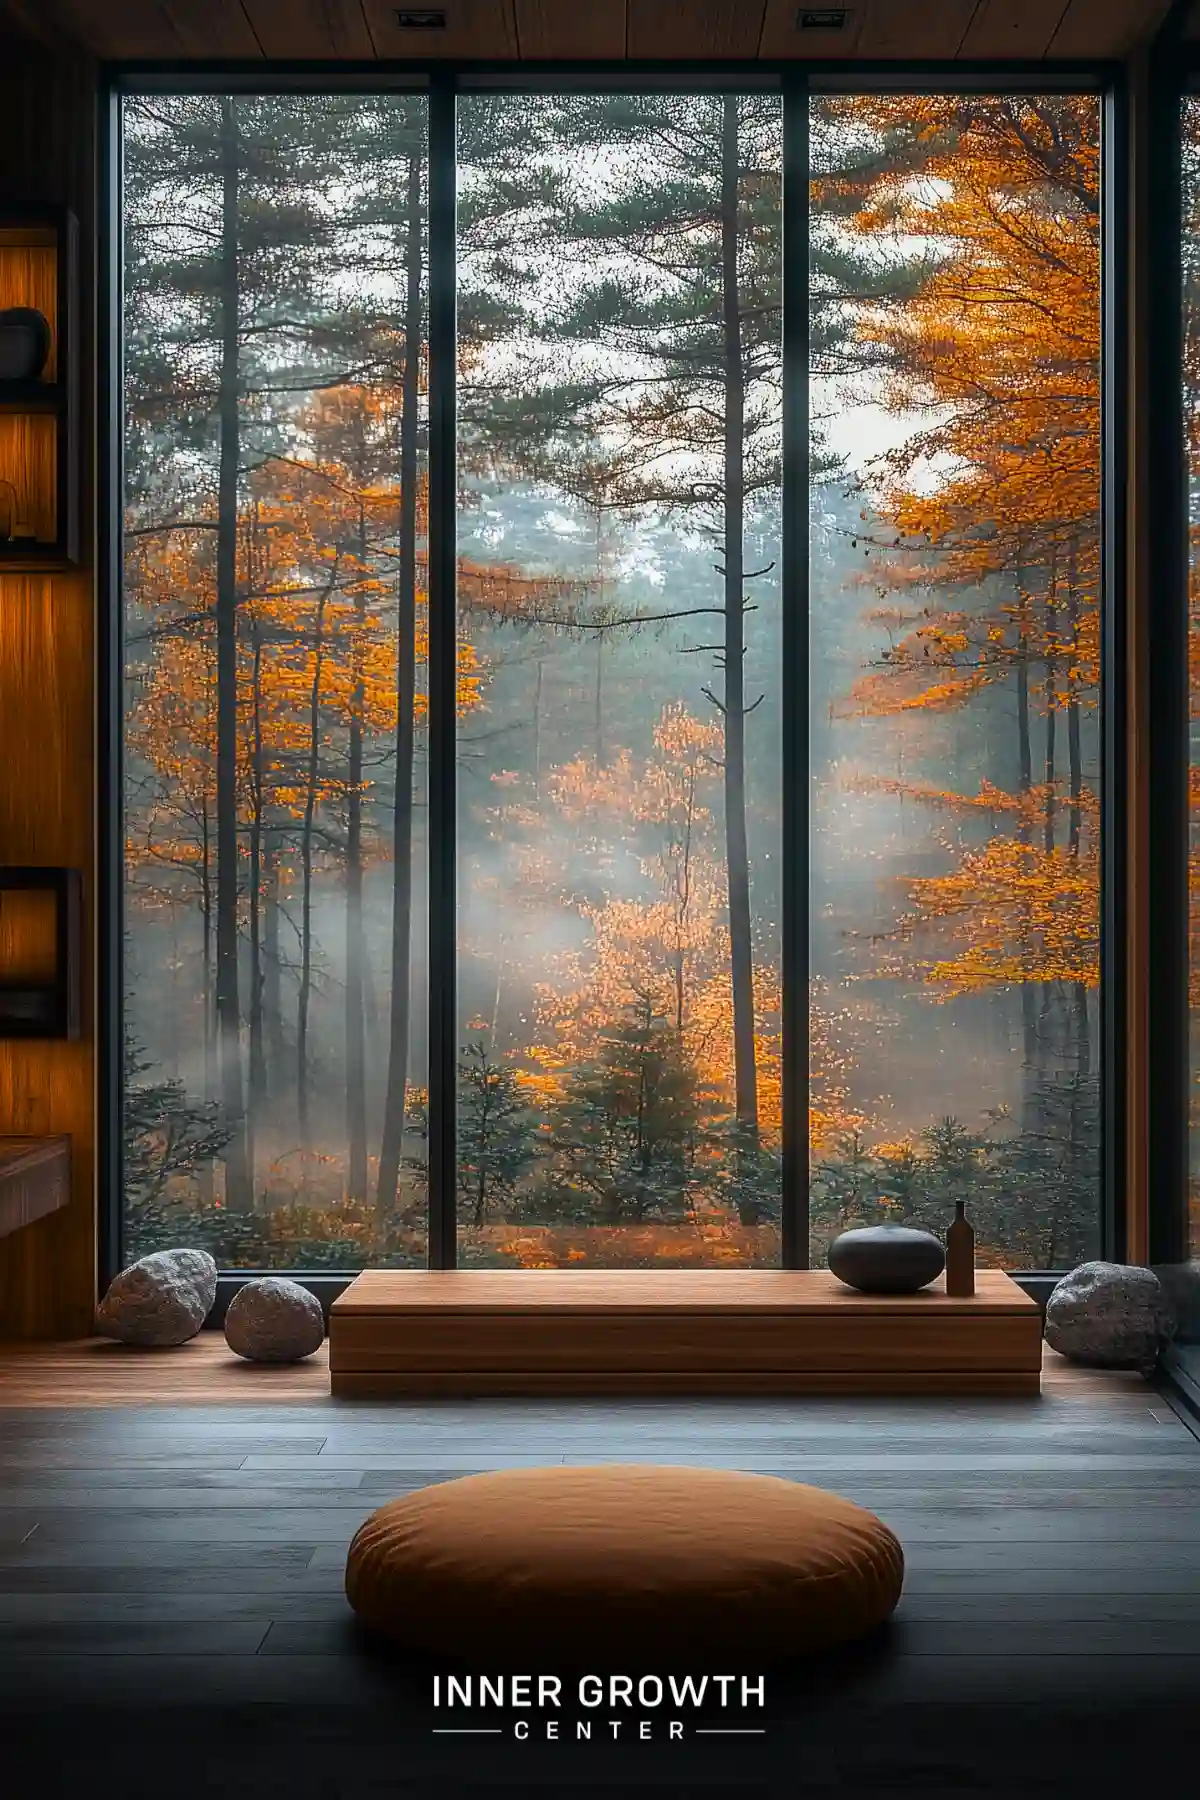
x,y
618,761
955,690
274,628
1190,250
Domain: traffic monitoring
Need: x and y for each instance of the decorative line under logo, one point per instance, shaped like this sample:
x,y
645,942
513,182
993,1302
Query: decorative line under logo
x,y
647,1707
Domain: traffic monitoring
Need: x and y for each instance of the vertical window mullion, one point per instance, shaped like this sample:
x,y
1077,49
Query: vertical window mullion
x,y
1166,650
443,657
795,711
1114,911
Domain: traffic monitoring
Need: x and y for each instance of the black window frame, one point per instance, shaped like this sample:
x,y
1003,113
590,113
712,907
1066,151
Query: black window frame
x,y
443,81
1172,76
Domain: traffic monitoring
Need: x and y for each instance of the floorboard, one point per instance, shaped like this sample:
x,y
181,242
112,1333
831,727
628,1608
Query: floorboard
x,y
172,1548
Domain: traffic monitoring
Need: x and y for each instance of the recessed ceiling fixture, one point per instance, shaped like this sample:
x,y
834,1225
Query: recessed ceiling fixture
x,y
822,18
420,21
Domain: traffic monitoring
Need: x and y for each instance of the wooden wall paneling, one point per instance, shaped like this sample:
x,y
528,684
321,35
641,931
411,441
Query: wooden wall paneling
x,y
332,28
912,28
47,734
1106,27
48,1270
29,277
550,28
782,36
695,28
212,27
1023,28
473,29
28,462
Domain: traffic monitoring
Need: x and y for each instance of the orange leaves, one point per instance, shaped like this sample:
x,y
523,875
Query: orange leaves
x,y
995,340
1018,912
318,620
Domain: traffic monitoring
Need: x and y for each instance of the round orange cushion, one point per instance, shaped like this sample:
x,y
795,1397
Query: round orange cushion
x,y
619,1558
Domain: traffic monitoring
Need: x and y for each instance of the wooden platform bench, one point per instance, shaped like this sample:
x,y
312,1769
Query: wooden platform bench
x,y
675,1331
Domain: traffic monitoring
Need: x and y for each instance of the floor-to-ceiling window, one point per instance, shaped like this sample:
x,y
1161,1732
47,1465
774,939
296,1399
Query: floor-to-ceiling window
x,y
623,681
274,629
619,605
955,621
1190,268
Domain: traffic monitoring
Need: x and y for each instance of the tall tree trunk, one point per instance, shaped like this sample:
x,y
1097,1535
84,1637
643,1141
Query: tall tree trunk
x,y
598,702
1025,784
734,704
206,952
237,1187
207,1168
258,1067
1051,988
272,972
1051,750
1074,745
312,776
392,1142
356,1058
537,733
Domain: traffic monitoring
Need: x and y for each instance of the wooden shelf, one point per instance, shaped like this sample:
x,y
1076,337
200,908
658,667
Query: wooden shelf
x,y
39,427
35,1179
32,396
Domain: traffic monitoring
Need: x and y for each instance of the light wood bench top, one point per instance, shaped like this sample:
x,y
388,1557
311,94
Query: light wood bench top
x,y
378,1291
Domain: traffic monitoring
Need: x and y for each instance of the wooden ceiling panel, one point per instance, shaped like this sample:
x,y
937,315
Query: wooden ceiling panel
x,y
1106,27
546,30
122,28
694,28
474,29
913,28
782,34
1023,28
551,28
212,27
333,28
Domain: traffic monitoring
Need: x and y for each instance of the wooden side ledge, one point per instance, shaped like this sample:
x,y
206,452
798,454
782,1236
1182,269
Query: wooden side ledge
x,y
35,1179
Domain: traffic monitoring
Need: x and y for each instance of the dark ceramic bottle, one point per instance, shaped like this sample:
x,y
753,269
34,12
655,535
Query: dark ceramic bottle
x,y
960,1253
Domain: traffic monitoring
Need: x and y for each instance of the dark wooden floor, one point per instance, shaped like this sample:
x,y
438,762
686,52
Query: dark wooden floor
x,y
172,1622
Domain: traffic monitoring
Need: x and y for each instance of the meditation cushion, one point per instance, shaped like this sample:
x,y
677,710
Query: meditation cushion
x,y
625,1559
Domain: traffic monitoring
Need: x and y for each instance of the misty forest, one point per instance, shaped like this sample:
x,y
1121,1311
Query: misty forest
x,y
621,698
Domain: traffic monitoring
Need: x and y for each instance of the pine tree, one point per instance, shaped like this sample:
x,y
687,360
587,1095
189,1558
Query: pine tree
x,y
167,1139
625,1131
496,1144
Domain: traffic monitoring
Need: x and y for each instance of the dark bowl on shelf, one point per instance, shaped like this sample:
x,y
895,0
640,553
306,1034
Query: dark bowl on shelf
x,y
24,344
886,1259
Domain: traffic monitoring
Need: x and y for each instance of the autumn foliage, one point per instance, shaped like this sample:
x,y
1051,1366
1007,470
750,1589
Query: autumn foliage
x,y
618,632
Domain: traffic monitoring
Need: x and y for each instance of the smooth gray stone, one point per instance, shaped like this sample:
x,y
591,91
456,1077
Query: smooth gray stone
x,y
1111,1315
886,1259
159,1300
274,1320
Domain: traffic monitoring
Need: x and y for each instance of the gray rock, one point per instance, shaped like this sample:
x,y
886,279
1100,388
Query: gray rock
x,y
1112,1315
274,1320
159,1300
